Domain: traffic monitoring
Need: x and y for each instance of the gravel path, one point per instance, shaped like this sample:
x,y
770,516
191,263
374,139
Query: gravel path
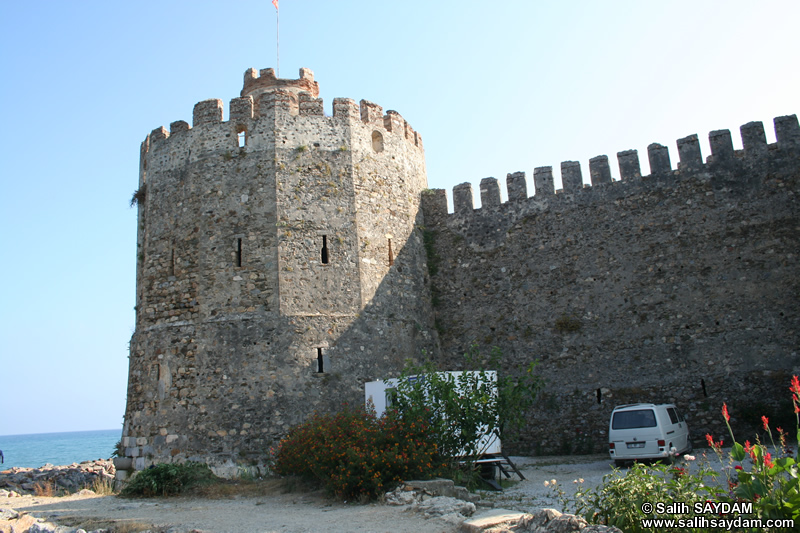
x,y
278,513
532,493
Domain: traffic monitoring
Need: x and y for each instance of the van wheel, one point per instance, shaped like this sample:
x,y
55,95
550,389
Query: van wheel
x,y
619,463
691,447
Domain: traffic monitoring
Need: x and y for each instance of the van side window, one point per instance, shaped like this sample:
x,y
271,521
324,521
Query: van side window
x,y
680,415
673,416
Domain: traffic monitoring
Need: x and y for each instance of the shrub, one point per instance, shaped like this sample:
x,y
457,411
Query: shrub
x,y
169,479
139,195
467,410
620,499
355,455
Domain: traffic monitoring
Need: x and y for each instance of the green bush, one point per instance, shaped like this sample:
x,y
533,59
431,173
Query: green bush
x,y
169,479
467,410
355,455
620,499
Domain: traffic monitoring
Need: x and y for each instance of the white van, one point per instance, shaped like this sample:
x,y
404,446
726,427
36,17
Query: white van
x,y
647,431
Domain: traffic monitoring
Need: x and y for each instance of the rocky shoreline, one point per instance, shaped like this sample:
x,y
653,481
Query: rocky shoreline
x,y
51,480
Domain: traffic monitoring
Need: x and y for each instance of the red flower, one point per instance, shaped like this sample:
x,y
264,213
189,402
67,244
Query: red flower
x,y
725,412
710,440
738,467
768,460
765,421
795,388
747,446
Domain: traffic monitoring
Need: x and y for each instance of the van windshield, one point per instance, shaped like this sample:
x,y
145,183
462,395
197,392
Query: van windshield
x,y
639,418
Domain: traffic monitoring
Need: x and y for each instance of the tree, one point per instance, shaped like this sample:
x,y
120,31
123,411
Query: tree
x,y
469,409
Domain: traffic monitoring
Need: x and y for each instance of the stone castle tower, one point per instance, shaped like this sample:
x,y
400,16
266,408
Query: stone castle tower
x,y
278,269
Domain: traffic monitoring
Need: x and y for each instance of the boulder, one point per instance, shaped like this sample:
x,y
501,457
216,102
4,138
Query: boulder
x,y
441,487
440,506
542,521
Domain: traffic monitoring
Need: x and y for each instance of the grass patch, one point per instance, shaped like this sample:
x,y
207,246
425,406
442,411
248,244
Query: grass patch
x,y
247,488
196,479
45,489
103,486
169,480
567,324
428,241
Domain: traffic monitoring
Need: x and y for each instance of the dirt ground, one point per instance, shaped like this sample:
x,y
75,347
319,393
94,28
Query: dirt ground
x,y
296,512
276,513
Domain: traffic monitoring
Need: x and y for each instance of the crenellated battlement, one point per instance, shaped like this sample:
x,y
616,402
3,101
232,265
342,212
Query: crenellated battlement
x,y
690,162
258,82
265,97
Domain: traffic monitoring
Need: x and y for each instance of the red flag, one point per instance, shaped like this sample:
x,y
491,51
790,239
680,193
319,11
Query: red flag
x,y
275,3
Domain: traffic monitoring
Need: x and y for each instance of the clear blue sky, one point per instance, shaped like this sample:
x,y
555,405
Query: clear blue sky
x,y
493,88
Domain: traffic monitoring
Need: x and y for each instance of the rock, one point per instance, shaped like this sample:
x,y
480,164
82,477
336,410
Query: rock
x,y
22,522
442,487
401,497
542,521
553,521
70,478
492,519
8,514
45,527
444,505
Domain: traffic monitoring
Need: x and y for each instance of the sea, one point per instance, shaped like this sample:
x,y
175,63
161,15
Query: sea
x,y
58,448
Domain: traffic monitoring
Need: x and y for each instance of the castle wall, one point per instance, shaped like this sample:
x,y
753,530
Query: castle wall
x,y
284,260
680,286
245,326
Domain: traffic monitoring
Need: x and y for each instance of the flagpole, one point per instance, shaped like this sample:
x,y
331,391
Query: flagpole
x,y
277,39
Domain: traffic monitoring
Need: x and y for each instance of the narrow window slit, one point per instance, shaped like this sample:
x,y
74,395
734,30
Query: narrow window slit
x,y
324,254
320,367
239,252
703,385
242,136
599,396
391,255
172,263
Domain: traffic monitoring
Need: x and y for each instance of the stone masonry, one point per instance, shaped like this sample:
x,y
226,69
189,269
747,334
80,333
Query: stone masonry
x,y
280,266
285,257
680,286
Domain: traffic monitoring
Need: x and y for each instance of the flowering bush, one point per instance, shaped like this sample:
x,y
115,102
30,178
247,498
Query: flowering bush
x,y
619,500
771,483
355,455
766,477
